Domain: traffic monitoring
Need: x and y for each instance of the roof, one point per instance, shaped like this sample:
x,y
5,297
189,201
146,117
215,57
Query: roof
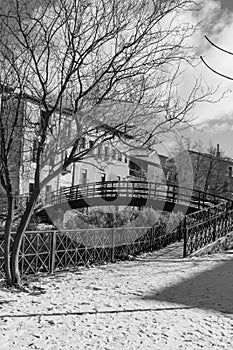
x,y
146,156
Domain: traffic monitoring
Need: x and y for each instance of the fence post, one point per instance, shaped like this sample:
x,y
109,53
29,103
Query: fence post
x,y
199,199
214,230
184,231
174,194
168,191
155,191
52,252
113,246
180,231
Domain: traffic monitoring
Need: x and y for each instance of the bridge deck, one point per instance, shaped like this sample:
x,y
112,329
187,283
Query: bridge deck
x,y
130,193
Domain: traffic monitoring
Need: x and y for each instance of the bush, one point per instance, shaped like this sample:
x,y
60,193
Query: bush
x,y
145,218
109,218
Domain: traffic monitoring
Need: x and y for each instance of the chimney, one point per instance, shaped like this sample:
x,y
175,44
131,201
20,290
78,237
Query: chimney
x,y
218,152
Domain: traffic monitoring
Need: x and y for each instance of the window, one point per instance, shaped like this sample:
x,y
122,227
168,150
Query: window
x,y
103,177
99,151
119,157
113,154
106,151
48,190
225,186
126,159
91,144
68,129
83,142
34,149
31,186
83,177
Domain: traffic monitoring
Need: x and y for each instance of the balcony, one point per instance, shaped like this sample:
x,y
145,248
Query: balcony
x,y
138,174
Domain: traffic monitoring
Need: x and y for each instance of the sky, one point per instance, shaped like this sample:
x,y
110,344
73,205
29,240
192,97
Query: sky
x,y
214,121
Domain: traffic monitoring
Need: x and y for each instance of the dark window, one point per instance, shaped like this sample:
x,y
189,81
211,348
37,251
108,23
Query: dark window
x,y
91,144
34,149
48,188
31,186
126,159
103,177
106,149
113,154
119,157
225,187
83,142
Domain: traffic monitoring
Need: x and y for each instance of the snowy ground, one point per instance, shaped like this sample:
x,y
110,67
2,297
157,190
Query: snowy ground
x,y
158,302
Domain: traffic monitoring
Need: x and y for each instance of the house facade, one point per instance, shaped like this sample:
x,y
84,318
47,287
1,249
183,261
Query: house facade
x,y
109,161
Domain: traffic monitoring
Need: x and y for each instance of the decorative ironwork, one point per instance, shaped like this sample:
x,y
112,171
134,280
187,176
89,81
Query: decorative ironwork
x,y
206,226
35,252
50,251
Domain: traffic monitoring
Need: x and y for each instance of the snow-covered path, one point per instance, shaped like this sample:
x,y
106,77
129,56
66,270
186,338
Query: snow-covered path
x,y
159,302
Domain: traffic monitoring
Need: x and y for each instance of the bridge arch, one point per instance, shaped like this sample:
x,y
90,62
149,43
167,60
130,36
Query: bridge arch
x,y
159,196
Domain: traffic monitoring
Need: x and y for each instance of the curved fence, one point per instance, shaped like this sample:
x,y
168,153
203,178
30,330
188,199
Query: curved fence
x,y
206,226
50,251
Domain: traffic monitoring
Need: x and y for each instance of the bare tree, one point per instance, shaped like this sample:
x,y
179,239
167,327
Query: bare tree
x,y
114,64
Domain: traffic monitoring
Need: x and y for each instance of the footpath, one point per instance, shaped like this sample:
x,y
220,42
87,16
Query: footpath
x,y
159,301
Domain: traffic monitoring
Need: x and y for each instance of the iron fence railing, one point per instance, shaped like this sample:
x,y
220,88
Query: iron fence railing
x,y
50,251
135,193
206,226
134,189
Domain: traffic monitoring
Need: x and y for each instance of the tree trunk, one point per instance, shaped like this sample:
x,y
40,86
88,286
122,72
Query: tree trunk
x,y
15,273
7,239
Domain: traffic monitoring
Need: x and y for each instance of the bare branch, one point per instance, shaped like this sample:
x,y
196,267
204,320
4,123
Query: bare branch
x,y
214,71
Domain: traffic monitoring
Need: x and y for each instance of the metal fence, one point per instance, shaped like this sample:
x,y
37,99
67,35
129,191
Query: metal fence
x,y
50,251
206,226
133,189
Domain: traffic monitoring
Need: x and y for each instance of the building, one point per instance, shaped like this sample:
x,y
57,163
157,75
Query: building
x,y
211,172
109,161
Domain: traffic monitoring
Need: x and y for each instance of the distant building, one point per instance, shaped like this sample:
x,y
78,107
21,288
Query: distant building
x,y
211,172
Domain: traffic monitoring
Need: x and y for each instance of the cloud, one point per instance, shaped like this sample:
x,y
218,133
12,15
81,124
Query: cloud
x,y
218,26
216,126
220,127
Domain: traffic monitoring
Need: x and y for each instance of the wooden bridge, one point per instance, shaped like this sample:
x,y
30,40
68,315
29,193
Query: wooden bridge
x,y
159,196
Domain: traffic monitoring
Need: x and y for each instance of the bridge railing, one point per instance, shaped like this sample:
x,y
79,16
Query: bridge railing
x,y
206,226
129,189
132,189
52,250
